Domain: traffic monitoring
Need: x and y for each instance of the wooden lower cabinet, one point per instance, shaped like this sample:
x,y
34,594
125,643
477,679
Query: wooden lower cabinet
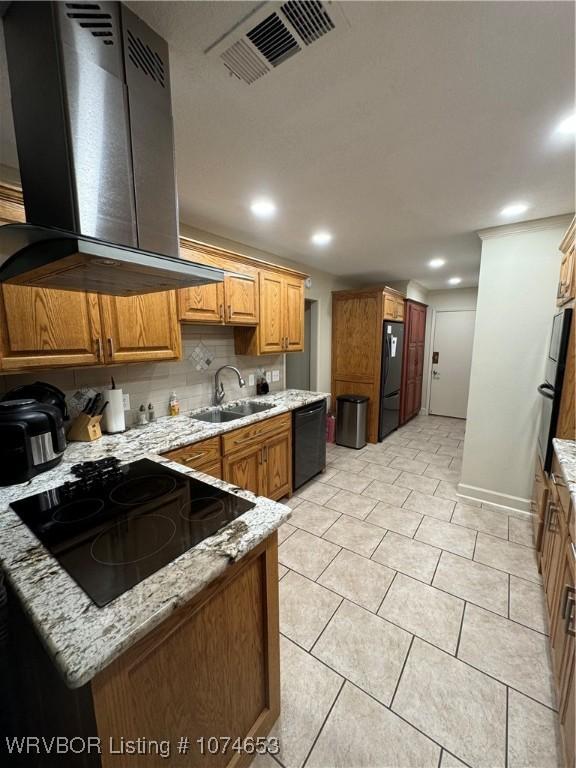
x,y
539,505
259,457
244,469
558,565
210,669
204,456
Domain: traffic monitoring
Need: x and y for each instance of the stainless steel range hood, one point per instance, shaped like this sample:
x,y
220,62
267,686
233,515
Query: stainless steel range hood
x,y
90,85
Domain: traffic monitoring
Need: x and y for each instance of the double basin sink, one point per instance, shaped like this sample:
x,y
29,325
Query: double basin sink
x,y
231,412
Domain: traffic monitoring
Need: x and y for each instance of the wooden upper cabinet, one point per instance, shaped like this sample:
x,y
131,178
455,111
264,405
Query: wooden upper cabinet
x,y
233,302
294,315
202,304
141,328
43,327
393,306
567,280
272,298
240,300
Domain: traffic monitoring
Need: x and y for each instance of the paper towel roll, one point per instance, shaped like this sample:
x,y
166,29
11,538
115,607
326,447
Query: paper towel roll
x,y
113,418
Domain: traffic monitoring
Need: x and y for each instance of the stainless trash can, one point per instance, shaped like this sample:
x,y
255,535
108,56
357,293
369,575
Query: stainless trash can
x,y
351,418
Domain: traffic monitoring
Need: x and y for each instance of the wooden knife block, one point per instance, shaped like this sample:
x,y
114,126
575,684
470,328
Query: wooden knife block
x,y
85,428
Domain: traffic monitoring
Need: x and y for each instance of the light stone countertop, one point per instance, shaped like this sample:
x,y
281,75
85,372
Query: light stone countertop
x,y
81,638
566,452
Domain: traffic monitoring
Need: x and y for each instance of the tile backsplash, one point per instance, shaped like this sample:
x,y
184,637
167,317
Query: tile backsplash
x,y
192,378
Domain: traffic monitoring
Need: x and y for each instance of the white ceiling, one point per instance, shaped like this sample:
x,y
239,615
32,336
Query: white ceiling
x,y
403,136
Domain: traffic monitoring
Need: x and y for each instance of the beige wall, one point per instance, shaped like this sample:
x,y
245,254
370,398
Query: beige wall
x,y
516,302
323,284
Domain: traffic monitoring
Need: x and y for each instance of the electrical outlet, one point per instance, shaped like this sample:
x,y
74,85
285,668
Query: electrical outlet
x,y
251,380
126,401
268,376
275,375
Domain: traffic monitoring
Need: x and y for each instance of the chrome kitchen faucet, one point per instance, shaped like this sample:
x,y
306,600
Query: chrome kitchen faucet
x,y
219,387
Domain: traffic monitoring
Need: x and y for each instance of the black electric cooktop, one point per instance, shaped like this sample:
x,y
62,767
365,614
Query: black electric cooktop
x,y
117,525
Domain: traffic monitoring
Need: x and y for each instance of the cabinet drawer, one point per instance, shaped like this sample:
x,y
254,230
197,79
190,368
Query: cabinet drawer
x,y
197,455
561,488
255,433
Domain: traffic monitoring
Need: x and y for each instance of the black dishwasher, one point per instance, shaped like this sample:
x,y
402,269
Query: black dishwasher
x,y
309,450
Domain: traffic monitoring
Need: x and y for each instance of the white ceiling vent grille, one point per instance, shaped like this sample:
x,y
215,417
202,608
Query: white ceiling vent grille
x,y
274,34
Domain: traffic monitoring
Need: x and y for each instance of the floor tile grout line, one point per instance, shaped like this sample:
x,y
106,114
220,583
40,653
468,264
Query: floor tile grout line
x,y
324,628
506,727
388,588
509,590
402,671
324,722
460,632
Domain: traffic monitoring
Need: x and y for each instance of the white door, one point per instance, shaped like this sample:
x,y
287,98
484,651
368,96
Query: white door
x,y
451,361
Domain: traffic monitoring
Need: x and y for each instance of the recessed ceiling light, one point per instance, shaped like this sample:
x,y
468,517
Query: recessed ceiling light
x,y
321,238
263,208
514,209
568,125
455,280
435,263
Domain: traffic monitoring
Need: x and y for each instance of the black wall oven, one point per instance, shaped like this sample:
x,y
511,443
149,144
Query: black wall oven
x,y
551,387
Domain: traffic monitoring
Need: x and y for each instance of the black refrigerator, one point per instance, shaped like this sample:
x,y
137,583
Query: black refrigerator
x,y
391,378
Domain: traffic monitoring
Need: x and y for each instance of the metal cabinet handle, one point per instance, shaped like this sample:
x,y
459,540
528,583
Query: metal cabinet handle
x,y
99,348
552,512
556,481
260,455
221,313
229,312
111,346
568,615
193,456
265,452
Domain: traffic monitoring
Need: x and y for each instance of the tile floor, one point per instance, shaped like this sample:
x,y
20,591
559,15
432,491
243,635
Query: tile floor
x,y
413,625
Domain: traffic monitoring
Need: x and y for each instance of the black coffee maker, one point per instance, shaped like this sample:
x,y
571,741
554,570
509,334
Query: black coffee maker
x,y
32,437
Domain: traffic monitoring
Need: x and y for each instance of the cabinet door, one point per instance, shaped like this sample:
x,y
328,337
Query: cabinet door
x,y
241,294
399,309
245,469
202,304
389,307
271,313
278,465
141,328
551,550
41,328
294,315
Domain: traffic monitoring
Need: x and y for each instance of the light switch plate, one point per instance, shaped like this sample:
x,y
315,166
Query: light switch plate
x,y
275,375
251,380
126,401
268,376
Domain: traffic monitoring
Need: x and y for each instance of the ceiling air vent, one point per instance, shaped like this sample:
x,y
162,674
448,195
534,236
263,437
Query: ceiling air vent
x,y
274,40
275,33
309,18
145,59
242,61
90,16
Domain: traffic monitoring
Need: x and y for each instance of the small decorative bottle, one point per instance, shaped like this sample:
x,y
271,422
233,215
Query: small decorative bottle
x,y
151,413
142,421
173,404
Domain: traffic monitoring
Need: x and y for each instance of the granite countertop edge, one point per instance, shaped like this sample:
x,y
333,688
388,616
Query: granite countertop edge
x,y
81,638
566,453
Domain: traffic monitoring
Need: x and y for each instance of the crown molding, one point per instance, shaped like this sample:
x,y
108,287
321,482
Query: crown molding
x,y
551,222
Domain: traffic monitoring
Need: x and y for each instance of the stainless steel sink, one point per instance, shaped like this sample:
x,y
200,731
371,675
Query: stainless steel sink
x,y
217,417
248,408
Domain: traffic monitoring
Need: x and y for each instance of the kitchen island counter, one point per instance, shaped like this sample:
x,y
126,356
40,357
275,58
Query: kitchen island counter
x,y
82,639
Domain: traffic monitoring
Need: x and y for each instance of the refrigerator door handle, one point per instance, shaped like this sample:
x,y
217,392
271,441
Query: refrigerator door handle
x,y
546,391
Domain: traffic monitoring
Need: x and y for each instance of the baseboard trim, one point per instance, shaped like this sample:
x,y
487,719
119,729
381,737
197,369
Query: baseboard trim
x,y
499,500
